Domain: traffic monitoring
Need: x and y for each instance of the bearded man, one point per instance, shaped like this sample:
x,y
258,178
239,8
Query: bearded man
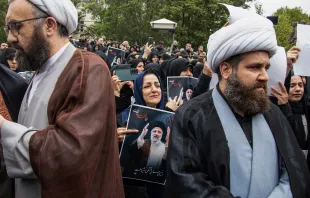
x,y
150,152
231,141
64,144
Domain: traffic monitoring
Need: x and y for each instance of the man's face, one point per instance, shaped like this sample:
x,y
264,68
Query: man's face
x,y
201,57
33,48
188,46
296,89
100,41
246,87
156,134
3,46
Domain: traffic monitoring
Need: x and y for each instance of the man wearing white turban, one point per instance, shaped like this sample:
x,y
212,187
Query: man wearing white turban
x,y
231,141
64,144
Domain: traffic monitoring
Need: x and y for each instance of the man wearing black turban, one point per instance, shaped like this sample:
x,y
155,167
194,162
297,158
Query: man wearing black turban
x,y
150,152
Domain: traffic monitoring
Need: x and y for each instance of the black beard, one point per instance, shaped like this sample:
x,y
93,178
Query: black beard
x,y
245,98
38,52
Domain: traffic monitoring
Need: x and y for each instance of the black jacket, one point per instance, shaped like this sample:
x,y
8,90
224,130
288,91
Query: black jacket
x,y
198,155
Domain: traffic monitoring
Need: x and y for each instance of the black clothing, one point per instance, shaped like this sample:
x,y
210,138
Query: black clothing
x,y
198,155
13,88
157,67
202,85
245,121
197,70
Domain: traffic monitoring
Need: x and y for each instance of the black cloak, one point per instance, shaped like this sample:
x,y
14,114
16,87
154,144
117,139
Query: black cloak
x,y
198,154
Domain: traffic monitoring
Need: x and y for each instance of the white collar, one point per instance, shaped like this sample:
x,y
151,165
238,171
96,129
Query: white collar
x,y
53,59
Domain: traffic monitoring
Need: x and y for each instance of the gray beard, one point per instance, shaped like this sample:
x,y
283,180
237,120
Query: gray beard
x,y
155,140
245,98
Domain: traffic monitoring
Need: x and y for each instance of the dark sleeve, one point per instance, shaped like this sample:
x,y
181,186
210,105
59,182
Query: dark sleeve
x,y
184,164
202,86
287,111
122,103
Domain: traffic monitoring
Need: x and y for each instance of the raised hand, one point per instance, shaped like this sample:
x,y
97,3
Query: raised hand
x,y
117,84
144,131
206,70
281,95
174,104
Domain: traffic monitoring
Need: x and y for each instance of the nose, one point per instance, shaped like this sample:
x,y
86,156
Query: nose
x,y
11,38
263,75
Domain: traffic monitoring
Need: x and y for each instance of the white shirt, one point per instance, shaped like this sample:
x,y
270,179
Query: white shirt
x,y
43,71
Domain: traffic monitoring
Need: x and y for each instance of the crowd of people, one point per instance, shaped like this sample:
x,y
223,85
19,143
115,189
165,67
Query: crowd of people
x,y
64,111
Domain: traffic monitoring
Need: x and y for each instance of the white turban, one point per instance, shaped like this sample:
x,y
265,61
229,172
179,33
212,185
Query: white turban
x,y
252,33
63,11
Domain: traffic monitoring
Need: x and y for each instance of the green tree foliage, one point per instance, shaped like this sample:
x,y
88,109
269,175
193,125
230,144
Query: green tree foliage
x,y
3,10
259,8
130,19
283,31
288,18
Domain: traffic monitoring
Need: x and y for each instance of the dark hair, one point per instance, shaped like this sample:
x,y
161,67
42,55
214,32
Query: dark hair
x,y
37,12
233,61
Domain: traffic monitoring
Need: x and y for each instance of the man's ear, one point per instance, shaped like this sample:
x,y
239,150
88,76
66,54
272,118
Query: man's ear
x,y
226,70
50,26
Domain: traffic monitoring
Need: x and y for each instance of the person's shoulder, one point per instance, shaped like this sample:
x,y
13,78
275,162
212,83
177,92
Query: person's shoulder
x,y
90,59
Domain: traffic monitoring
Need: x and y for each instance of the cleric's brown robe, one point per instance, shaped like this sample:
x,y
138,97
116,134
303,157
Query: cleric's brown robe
x,y
77,155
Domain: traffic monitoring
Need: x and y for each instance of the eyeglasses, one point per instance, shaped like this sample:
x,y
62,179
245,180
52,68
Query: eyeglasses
x,y
14,26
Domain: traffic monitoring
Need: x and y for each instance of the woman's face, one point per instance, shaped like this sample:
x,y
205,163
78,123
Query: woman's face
x,y
140,67
12,64
155,59
187,72
151,90
296,89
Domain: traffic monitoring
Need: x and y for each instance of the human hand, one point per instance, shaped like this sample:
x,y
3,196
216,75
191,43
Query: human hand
x,y
117,84
147,50
121,132
293,54
281,95
144,131
206,70
174,104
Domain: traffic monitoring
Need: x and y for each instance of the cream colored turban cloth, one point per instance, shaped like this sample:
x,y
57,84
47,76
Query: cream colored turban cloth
x,y
246,32
63,11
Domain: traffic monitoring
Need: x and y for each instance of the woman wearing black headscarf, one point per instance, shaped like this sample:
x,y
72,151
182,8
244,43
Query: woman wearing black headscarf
x,y
295,106
180,67
8,59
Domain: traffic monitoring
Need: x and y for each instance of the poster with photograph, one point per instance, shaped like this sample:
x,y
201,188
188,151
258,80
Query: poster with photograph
x,y
143,155
181,86
115,56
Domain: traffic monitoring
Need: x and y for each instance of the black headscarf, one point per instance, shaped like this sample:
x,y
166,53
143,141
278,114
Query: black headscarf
x,y
197,70
177,66
159,124
157,67
8,54
13,88
298,109
135,62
